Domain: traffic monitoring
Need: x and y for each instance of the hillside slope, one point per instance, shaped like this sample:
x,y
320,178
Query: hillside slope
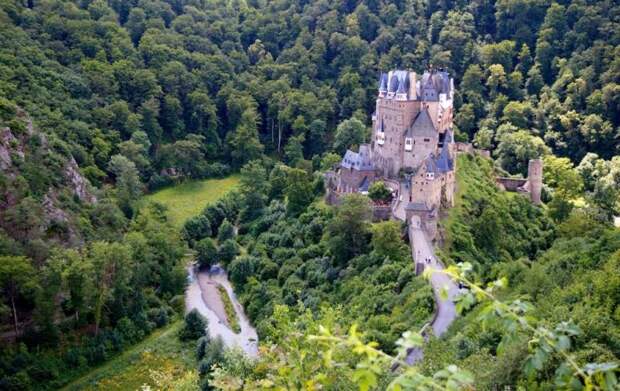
x,y
565,271
42,192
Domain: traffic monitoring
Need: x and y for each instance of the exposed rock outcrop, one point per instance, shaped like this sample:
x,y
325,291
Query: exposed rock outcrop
x,y
79,184
55,221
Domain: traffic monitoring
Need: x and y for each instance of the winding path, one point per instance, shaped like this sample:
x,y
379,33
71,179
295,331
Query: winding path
x,y
423,254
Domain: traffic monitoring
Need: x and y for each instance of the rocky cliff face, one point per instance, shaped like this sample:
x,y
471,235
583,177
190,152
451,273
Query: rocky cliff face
x,y
33,206
9,145
80,185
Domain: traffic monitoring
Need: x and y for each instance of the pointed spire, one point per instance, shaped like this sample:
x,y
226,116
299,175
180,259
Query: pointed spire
x,y
383,85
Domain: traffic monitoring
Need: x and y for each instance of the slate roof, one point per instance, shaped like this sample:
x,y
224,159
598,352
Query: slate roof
x,y
434,83
364,184
431,164
398,83
383,82
439,80
422,126
357,161
444,162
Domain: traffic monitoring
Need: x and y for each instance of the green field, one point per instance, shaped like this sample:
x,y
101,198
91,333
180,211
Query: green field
x,y
161,351
189,198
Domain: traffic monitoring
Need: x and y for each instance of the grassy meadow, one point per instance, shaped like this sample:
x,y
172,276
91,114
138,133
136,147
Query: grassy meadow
x,y
189,198
161,351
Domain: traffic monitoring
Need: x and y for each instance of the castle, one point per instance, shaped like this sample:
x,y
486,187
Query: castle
x,y
413,151
412,147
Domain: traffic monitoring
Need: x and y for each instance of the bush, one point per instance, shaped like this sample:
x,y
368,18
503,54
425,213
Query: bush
x,y
213,354
158,181
18,382
206,253
228,251
201,346
178,303
127,331
194,326
242,268
159,316
379,192
196,228
226,231
217,170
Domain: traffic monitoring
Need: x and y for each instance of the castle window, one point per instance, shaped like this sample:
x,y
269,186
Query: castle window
x,y
408,144
427,140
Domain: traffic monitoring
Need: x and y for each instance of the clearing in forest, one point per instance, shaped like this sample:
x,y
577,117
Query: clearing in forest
x,y
189,198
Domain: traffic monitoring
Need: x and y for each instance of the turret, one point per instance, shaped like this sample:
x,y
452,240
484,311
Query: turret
x,y
535,177
383,85
401,92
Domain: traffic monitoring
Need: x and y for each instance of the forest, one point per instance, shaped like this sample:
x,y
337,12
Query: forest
x,y
103,102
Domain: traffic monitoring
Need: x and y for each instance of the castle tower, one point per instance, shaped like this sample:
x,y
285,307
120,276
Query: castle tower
x,y
535,177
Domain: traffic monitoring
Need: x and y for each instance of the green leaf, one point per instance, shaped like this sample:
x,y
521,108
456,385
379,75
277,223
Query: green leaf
x,y
563,343
443,293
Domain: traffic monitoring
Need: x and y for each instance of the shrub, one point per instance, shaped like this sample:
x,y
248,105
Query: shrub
x,y
228,251
242,268
178,303
159,316
226,231
196,228
217,170
201,346
214,353
194,326
379,192
206,252
127,331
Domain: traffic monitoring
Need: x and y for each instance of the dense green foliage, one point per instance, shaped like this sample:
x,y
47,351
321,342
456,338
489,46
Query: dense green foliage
x,y
566,271
83,305
213,81
488,225
318,258
134,95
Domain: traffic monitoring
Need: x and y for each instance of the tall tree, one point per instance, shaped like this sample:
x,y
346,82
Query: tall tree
x,y
298,191
351,132
111,271
350,229
17,279
244,140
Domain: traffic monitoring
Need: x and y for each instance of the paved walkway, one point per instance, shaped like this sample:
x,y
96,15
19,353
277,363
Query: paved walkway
x,y
422,251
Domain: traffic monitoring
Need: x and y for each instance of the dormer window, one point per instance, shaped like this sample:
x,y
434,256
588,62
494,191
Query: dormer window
x,y
430,176
408,144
